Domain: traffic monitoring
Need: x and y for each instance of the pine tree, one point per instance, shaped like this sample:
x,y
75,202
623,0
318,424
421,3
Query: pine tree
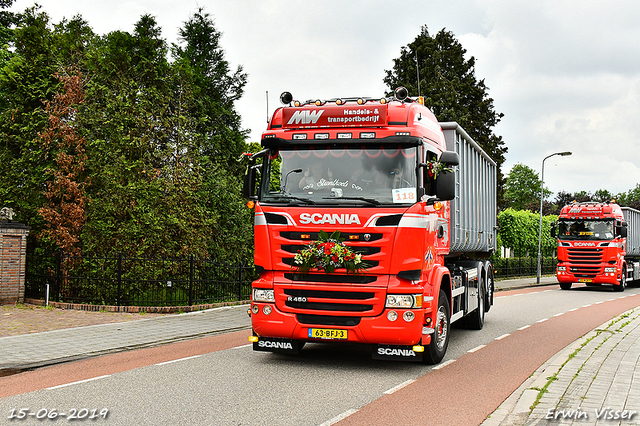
x,y
450,89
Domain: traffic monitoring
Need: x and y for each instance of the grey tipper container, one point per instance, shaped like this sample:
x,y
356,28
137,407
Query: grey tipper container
x,y
632,217
473,211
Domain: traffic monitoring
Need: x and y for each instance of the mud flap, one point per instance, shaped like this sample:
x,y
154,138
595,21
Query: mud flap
x,y
395,353
274,344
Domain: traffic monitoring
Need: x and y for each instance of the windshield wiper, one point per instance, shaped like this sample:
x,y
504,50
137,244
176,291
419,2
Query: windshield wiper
x,y
367,200
291,197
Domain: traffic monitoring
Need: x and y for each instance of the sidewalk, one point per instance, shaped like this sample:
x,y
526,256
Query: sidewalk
x,y
593,381
605,359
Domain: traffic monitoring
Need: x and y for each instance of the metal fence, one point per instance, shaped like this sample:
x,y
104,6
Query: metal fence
x,y
119,280
513,267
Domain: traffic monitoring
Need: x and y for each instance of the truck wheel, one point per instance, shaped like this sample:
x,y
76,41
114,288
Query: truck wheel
x,y
565,286
475,320
623,281
434,353
489,293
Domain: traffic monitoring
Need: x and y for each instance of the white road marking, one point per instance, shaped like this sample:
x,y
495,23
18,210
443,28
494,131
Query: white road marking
x,y
78,382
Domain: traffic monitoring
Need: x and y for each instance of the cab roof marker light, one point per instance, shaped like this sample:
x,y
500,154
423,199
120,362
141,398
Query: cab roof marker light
x,y
361,101
297,103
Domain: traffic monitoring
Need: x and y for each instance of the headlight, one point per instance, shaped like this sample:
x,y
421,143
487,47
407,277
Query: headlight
x,y
262,295
406,301
610,269
562,268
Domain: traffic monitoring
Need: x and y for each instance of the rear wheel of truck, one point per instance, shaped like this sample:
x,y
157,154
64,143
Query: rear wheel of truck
x,y
565,286
434,353
490,290
623,281
475,320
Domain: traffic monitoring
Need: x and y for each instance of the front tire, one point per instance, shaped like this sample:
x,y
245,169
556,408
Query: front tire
x,y
434,353
565,286
623,281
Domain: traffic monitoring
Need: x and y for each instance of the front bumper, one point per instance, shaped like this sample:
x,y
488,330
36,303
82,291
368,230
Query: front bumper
x,y
376,329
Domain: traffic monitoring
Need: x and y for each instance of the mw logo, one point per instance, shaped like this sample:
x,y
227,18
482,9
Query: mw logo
x,y
305,117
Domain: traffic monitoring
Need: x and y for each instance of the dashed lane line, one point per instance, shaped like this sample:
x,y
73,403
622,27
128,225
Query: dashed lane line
x,y
400,386
78,382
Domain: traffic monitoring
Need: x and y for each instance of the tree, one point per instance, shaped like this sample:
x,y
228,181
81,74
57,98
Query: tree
x,y
216,89
450,89
66,191
630,198
26,81
522,188
518,230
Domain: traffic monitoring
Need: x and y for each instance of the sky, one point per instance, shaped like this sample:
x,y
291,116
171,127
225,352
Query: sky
x,y
565,74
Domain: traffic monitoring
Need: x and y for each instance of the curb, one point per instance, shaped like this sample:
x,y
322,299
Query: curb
x,y
518,407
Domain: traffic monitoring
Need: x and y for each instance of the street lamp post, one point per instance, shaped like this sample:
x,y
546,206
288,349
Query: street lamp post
x,y
564,154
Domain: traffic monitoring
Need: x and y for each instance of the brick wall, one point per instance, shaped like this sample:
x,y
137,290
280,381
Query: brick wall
x,y
13,251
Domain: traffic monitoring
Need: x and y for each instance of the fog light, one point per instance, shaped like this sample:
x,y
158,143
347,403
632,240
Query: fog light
x,y
392,316
255,309
408,316
266,310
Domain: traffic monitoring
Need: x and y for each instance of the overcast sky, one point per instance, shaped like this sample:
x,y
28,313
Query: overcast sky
x,y
566,74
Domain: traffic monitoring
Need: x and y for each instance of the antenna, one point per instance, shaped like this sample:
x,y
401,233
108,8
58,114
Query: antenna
x,y
267,93
418,73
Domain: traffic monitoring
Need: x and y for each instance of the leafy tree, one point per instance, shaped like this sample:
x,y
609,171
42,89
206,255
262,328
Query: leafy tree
x,y
630,198
519,229
450,88
216,88
26,81
522,188
66,191
8,21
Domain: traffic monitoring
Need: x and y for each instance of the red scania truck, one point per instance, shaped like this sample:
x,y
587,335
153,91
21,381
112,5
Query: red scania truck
x,y
414,202
598,243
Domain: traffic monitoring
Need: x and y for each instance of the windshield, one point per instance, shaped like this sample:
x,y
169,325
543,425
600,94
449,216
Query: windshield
x,y
585,229
335,175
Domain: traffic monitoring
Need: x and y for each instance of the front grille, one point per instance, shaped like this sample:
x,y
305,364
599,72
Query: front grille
x,y
585,261
343,301
332,278
331,305
585,255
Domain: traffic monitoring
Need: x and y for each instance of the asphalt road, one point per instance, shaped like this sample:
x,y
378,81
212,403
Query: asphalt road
x,y
220,380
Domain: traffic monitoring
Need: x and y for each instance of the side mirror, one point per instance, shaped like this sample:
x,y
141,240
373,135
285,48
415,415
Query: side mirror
x,y
553,230
622,230
446,186
249,184
450,158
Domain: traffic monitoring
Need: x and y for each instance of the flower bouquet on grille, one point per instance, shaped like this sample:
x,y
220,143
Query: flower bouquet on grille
x,y
326,254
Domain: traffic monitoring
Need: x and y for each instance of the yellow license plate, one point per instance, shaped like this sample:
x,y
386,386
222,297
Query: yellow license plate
x,y
585,280
327,333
